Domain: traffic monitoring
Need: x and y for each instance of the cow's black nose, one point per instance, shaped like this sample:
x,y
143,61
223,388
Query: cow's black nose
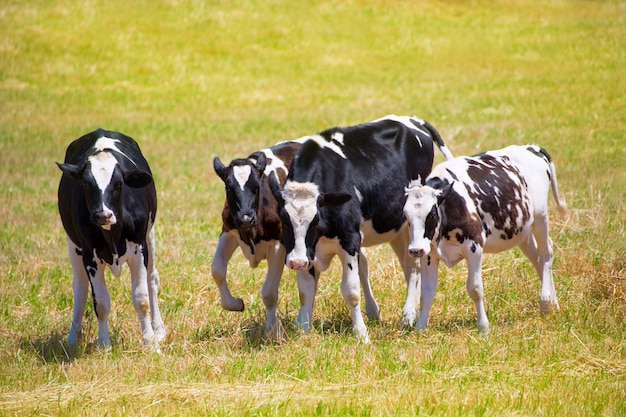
x,y
248,221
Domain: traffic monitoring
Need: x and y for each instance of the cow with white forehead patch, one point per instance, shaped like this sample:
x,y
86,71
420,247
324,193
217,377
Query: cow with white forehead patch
x,y
344,191
486,203
251,222
107,203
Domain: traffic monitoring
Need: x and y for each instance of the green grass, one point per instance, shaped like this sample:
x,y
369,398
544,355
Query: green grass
x,y
191,80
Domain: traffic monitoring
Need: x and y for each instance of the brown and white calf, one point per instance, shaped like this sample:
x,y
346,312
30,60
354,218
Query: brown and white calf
x,y
486,203
251,222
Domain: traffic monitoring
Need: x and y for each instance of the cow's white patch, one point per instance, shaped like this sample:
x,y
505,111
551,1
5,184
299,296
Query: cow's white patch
x,y
242,173
102,166
301,206
323,143
408,122
105,143
420,201
338,137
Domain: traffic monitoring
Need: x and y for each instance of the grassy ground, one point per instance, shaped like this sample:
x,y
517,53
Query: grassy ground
x,y
190,80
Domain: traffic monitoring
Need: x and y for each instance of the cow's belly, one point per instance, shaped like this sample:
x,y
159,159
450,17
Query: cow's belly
x,y
372,238
495,243
261,250
450,252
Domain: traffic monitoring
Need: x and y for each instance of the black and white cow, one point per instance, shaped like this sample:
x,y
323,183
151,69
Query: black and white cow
x,y
344,191
107,203
251,222
486,203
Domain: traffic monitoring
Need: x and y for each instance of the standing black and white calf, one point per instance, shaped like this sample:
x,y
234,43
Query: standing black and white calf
x,y
344,191
490,202
251,222
107,202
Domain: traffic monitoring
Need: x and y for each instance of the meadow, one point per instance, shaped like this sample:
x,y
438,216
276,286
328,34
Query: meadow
x,y
190,80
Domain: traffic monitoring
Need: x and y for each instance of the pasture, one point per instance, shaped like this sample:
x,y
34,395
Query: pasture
x,y
190,80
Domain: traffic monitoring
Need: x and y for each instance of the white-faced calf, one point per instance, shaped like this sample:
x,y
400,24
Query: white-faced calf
x,y
107,203
486,203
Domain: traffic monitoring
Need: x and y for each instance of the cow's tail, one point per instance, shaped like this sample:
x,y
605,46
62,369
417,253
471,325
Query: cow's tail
x,y
437,139
561,205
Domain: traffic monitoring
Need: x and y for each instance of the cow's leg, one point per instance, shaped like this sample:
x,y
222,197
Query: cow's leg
x,y
474,286
153,289
539,251
269,291
137,263
80,285
101,299
307,287
430,269
226,246
352,293
371,307
411,269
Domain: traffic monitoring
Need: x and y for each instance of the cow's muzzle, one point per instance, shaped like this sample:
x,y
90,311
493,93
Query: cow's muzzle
x,y
104,218
417,253
247,221
298,264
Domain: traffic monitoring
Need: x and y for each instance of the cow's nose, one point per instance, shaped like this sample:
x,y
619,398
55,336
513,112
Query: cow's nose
x,y
417,253
248,220
297,264
103,218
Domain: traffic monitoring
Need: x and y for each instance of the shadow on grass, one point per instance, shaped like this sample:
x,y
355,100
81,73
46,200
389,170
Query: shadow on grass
x,y
53,348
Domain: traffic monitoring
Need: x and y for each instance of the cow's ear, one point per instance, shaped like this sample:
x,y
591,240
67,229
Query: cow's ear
x,y
137,178
277,192
73,171
332,199
219,168
444,192
261,162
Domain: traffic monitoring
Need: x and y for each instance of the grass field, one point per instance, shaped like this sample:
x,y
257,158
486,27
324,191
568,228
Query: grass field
x,y
190,80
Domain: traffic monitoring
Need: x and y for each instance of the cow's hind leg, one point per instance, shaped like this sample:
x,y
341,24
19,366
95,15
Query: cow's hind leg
x,y
269,291
137,261
371,307
539,251
80,285
226,246
154,282
475,288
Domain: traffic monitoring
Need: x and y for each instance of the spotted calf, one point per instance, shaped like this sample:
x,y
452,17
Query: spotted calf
x,y
486,203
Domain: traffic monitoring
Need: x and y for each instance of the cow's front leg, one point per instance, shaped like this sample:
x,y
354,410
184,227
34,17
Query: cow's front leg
x,y
101,299
474,286
411,269
226,246
80,285
430,269
269,291
352,294
307,287
153,290
371,307
137,263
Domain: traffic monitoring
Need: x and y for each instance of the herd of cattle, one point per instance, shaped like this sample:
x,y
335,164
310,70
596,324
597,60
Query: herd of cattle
x,y
299,203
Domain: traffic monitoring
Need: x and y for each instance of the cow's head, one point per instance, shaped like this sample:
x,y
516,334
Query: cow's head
x,y
242,179
103,181
299,207
422,211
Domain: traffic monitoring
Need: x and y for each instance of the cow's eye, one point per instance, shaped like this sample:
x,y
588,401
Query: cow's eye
x,y
118,185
